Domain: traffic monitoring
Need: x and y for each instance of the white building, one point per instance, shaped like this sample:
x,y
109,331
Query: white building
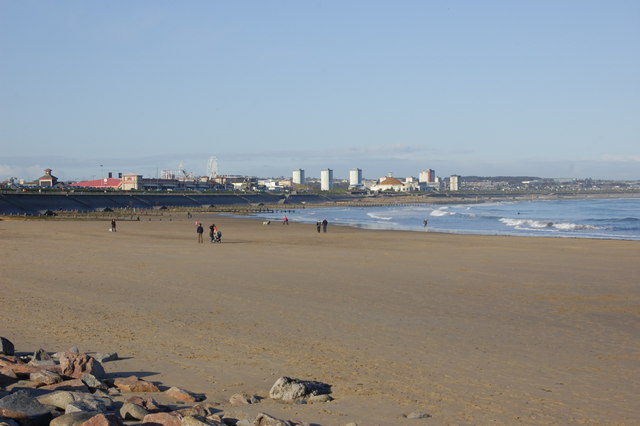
x,y
427,176
298,177
454,183
326,179
355,178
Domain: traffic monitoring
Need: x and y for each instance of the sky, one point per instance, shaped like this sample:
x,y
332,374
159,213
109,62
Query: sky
x,y
486,88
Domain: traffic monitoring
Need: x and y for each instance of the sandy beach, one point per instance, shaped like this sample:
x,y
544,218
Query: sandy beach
x,y
470,329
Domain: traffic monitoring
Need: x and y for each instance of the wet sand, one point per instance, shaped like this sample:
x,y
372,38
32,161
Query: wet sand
x,y
470,329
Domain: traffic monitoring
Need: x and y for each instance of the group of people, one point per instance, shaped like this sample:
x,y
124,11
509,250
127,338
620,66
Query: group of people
x,y
322,225
215,234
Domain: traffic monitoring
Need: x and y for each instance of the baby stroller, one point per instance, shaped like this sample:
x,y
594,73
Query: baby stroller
x,y
217,237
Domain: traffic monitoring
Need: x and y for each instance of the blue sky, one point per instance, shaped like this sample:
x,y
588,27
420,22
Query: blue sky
x,y
538,88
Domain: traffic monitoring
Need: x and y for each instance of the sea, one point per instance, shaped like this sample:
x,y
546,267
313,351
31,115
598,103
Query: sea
x,y
606,218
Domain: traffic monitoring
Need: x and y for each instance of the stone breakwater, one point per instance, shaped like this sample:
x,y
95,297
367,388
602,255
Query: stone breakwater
x,y
72,388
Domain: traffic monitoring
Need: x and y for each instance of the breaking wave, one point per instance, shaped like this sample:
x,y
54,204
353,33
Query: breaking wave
x,y
543,224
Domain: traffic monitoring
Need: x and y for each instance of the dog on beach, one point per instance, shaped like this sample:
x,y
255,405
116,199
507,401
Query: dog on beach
x,y
266,222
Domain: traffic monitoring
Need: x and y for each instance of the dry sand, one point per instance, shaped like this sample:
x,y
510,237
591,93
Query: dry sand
x,y
470,329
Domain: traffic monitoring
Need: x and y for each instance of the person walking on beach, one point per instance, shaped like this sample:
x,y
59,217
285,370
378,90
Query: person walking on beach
x,y
212,231
113,225
425,222
318,226
324,225
199,231
285,220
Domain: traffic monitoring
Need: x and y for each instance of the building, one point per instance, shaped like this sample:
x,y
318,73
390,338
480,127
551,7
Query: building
x,y
427,176
355,178
454,183
48,179
326,180
298,177
106,183
389,184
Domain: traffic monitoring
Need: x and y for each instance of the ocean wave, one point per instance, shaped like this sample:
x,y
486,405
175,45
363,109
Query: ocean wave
x,y
543,224
443,211
377,216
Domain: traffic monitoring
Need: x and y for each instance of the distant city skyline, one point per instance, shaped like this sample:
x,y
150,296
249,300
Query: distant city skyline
x,y
548,89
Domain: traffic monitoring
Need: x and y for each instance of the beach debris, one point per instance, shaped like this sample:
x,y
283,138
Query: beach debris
x,y
183,395
243,398
288,389
6,347
25,409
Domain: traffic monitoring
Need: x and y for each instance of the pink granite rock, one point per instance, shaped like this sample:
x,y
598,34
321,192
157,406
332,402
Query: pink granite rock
x,y
163,419
183,395
134,384
74,365
103,420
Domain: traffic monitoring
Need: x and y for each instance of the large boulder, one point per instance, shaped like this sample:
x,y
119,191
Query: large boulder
x,y
24,409
288,389
75,365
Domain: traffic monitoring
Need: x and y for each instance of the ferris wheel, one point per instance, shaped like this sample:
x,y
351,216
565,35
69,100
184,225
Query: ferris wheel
x,y
212,167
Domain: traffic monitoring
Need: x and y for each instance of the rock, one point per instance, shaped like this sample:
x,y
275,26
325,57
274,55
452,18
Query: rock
x,y
416,415
74,350
351,424
243,399
184,395
320,398
8,422
46,377
21,407
134,384
288,389
263,419
61,399
6,347
199,410
200,421
41,355
75,385
92,382
103,420
7,377
106,357
72,419
165,419
130,411
94,405
148,404
74,365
